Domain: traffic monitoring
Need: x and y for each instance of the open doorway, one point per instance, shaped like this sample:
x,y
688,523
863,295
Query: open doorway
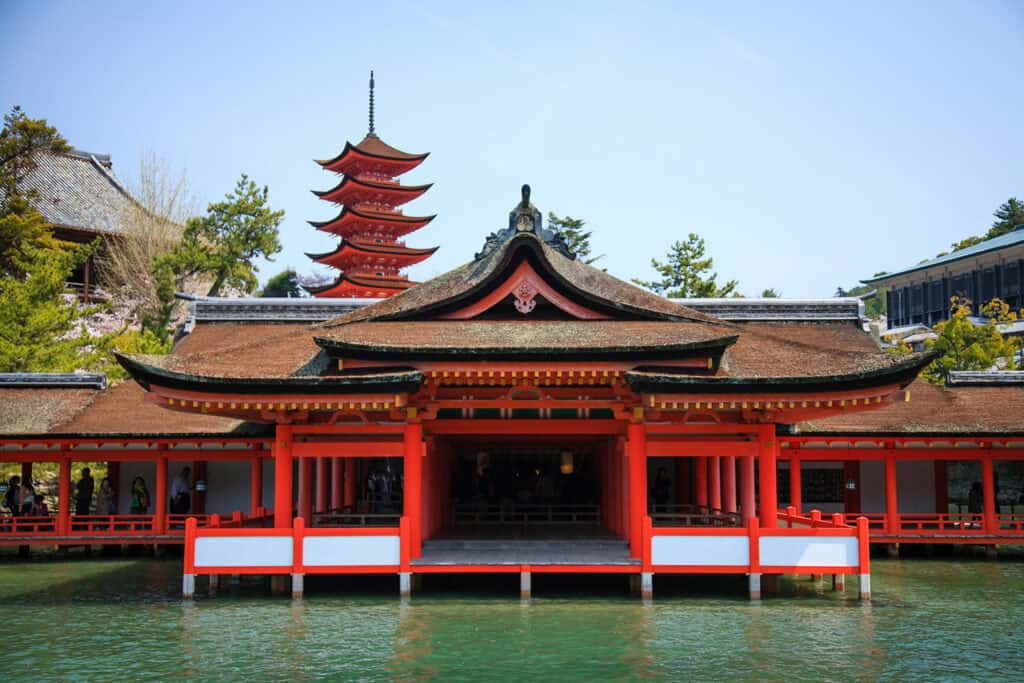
x,y
520,489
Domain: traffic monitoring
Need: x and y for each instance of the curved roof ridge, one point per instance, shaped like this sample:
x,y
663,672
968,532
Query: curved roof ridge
x,y
475,277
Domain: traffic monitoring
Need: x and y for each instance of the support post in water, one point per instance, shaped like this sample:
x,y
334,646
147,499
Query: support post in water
x,y
214,582
646,585
525,583
864,568
839,582
297,586
754,586
405,584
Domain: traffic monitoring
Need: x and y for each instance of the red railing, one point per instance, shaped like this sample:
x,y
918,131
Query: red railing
x,y
815,520
939,523
28,525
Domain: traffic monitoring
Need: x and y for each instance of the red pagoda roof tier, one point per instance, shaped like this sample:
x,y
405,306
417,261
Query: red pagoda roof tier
x,y
354,254
356,286
353,191
352,223
372,156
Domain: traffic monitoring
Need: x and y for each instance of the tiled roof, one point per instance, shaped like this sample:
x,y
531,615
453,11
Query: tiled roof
x,y
78,190
1001,242
530,337
38,410
936,410
754,309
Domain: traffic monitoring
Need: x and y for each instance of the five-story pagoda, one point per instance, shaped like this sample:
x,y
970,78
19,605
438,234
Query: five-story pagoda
x,y
370,254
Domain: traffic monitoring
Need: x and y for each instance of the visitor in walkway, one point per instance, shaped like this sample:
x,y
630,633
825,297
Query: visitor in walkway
x,y
83,493
139,504
12,499
105,501
28,498
39,506
181,498
661,491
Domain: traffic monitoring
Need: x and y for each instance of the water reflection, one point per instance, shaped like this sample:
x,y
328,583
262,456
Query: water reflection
x,y
106,620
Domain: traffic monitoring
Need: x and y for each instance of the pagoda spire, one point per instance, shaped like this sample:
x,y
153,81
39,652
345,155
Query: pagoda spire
x,y
372,131
370,254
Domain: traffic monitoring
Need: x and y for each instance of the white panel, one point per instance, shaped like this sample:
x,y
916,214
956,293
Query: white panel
x,y
809,551
327,551
244,551
700,550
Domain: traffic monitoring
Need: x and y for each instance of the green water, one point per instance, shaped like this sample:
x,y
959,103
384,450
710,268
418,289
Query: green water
x,y
119,620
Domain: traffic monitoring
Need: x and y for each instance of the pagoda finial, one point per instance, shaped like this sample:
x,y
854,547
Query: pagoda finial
x,y
372,132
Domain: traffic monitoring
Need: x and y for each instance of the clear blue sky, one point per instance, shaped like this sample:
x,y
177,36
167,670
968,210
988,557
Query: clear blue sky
x,y
811,144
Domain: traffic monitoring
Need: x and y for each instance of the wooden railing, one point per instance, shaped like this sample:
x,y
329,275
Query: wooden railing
x,y
354,519
27,525
938,523
692,516
531,513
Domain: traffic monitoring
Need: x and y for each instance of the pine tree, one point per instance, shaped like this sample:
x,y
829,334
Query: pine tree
x,y
575,236
686,272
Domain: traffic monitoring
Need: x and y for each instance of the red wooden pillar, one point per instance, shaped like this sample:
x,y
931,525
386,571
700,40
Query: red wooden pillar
x,y
306,490
64,495
114,475
748,499
715,482
768,457
988,494
322,486
729,483
700,482
160,499
283,477
941,488
795,484
255,484
412,451
337,482
892,514
26,473
636,440
350,484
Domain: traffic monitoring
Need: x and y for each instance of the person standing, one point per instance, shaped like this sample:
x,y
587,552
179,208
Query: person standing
x,y
105,504
83,493
181,498
12,499
140,497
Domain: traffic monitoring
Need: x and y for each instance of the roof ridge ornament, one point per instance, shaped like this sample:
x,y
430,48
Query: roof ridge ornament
x,y
525,218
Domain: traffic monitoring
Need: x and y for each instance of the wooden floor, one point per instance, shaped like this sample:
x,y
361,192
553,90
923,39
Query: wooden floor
x,y
519,552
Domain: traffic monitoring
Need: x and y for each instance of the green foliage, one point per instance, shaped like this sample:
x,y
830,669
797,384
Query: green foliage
x,y
576,237
686,272
22,229
224,242
284,284
20,140
966,346
1008,216
875,307
40,330
770,293
143,341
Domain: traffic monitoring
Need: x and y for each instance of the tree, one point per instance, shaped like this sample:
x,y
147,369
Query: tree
x,y
22,229
224,242
770,293
684,273
575,236
284,284
152,226
964,345
40,329
1008,216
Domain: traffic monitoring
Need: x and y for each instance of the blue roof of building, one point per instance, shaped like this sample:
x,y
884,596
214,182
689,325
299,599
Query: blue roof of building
x,y
1001,242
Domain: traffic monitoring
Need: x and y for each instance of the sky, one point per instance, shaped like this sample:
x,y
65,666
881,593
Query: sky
x,y
810,144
